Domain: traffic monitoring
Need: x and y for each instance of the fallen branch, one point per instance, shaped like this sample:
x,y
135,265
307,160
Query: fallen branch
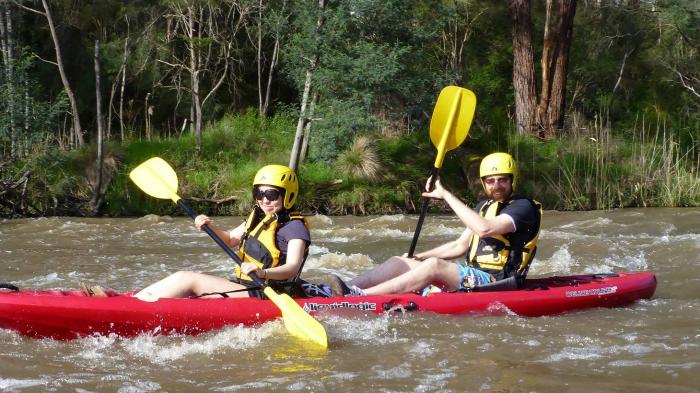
x,y
214,201
9,185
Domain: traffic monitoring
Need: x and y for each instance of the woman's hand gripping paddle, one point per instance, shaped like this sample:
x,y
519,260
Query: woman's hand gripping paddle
x,y
157,179
449,126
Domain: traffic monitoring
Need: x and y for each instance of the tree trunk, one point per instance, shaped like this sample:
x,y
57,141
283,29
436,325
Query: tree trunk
x,y
7,47
546,118
259,58
307,129
557,102
301,123
546,65
119,81
264,92
147,116
77,128
303,119
97,190
523,67
121,97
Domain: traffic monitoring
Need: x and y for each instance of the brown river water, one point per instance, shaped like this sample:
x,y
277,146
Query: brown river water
x,y
651,346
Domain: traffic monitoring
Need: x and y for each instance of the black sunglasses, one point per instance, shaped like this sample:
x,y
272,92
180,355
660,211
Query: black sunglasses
x,y
271,194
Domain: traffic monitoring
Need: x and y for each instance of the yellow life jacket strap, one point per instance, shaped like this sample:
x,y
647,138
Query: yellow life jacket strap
x,y
488,210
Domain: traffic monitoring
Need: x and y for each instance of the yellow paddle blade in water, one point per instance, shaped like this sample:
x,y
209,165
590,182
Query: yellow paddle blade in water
x,y
156,178
451,120
296,320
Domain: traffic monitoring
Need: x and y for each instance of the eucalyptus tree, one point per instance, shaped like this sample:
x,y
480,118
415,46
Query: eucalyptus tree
x,y
59,63
28,116
369,75
547,117
202,37
267,33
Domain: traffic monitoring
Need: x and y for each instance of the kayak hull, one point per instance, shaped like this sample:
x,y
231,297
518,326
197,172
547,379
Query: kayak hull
x,y
70,314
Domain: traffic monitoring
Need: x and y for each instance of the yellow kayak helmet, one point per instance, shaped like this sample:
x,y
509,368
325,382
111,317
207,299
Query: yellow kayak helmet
x,y
498,164
282,177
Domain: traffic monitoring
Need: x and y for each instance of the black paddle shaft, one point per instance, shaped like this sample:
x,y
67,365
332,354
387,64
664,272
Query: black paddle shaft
x,y
221,243
423,212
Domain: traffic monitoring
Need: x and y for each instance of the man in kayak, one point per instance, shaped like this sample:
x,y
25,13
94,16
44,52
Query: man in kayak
x,y
499,242
273,244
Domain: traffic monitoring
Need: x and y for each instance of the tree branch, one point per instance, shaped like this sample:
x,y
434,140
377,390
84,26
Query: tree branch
x,y
24,7
687,82
45,60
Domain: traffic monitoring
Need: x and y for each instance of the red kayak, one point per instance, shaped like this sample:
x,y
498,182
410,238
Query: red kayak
x,y
71,314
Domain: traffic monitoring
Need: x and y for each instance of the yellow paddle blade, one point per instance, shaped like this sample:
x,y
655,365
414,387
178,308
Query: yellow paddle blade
x,y
296,320
156,178
452,118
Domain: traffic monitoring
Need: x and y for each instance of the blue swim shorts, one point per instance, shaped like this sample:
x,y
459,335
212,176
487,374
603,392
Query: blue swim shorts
x,y
470,277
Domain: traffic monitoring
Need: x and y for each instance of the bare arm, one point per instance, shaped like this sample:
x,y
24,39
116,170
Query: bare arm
x,y
232,238
481,226
448,251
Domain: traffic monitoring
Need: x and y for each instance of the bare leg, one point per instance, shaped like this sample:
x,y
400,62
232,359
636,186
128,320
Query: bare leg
x,y
391,268
431,271
185,284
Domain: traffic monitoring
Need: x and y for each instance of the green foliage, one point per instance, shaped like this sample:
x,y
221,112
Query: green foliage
x,y
370,59
380,66
26,120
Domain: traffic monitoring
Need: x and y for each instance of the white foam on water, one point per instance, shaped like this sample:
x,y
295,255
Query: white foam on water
x,y
625,363
469,336
441,230
592,223
153,219
257,385
589,348
160,349
337,239
139,387
366,330
589,353
349,235
340,263
436,380
316,250
105,351
401,371
47,280
388,219
620,263
533,343
12,383
320,218
666,239
561,262
423,348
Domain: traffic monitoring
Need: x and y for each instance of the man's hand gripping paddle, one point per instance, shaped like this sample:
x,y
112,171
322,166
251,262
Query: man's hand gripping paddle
x,y
158,179
449,127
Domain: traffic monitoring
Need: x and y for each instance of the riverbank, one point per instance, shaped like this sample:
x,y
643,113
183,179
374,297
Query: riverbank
x,y
377,175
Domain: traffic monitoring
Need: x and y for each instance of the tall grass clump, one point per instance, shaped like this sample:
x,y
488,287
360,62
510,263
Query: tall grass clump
x,y
594,168
360,161
667,175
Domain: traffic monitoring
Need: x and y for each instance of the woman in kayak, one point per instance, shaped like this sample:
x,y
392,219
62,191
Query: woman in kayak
x,y
499,242
273,244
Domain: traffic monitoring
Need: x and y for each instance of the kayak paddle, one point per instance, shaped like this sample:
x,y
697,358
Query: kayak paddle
x,y
449,126
158,179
